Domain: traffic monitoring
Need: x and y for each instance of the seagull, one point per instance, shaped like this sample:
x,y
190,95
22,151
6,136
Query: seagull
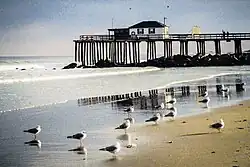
x,y
114,149
79,136
219,125
34,131
205,94
172,113
129,110
155,118
172,101
160,106
124,126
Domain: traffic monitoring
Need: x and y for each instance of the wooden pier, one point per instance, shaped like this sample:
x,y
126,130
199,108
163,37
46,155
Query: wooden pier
x,y
89,49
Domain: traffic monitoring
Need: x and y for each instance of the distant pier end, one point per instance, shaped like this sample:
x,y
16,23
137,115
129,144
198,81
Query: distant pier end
x,y
122,45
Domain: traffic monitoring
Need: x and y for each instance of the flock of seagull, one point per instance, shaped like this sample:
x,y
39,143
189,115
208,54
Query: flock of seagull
x,y
114,149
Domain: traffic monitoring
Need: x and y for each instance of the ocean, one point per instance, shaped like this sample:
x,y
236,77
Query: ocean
x,y
35,90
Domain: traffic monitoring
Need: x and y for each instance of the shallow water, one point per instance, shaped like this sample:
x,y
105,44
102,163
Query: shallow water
x,y
56,99
99,120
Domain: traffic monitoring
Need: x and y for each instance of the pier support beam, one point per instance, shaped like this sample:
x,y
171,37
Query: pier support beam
x,y
217,47
201,47
79,52
237,47
167,49
75,51
184,48
151,50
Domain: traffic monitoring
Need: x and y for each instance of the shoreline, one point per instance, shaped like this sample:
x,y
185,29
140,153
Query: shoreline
x,y
175,143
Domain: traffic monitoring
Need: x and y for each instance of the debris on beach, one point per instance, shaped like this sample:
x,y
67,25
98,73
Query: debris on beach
x,y
213,152
183,122
170,141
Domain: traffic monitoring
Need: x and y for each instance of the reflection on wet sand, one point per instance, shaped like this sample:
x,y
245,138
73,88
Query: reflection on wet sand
x,y
35,142
127,137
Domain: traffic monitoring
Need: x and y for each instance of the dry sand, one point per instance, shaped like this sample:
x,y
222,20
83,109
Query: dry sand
x,y
193,143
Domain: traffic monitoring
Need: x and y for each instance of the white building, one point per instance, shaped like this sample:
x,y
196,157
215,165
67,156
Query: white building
x,y
152,29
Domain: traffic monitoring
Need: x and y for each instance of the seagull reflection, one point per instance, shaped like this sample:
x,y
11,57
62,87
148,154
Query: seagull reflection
x,y
124,137
127,137
80,150
34,142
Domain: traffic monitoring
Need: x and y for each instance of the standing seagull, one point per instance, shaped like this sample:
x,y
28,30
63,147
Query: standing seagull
x,y
172,113
160,106
114,149
129,110
219,125
155,118
34,131
79,136
124,126
172,101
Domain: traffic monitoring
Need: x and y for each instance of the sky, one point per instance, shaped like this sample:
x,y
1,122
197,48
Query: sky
x,y
47,28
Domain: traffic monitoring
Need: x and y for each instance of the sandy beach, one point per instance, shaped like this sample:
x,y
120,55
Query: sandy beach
x,y
190,142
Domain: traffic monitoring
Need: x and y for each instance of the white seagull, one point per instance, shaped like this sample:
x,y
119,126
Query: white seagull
x,y
161,106
172,101
129,110
79,136
34,131
114,149
172,113
155,118
124,126
218,125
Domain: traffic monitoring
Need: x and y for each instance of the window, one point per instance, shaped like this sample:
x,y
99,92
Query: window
x,y
140,31
151,30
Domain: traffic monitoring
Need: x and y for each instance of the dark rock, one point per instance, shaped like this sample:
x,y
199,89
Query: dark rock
x,y
184,122
80,66
105,63
213,152
70,66
53,68
240,128
16,68
22,69
170,142
245,120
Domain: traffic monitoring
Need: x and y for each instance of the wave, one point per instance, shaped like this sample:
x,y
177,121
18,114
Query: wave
x,y
20,66
34,106
75,76
201,78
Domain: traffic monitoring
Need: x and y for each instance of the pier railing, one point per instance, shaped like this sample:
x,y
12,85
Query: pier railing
x,y
177,37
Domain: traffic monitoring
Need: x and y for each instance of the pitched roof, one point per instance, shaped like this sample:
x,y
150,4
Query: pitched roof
x,y
148,24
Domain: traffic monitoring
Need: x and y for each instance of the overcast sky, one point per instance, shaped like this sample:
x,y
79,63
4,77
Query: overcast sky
x,y
47,27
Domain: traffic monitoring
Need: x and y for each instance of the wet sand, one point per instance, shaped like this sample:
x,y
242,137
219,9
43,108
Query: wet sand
x,y
189,142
